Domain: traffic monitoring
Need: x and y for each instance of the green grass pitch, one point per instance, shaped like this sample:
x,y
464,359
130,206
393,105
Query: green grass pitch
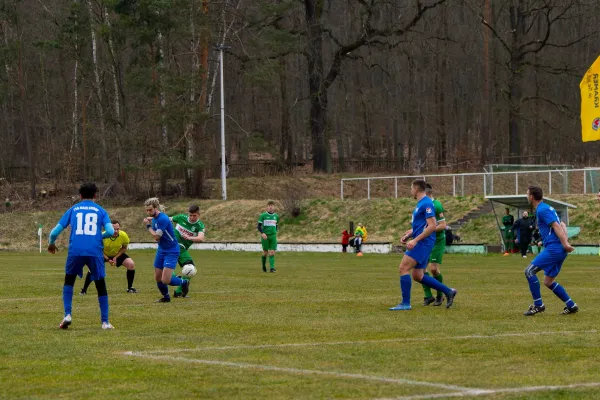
x,y
318,328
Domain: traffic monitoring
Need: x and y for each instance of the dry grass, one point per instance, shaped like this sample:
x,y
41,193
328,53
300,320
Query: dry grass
x,y
321,220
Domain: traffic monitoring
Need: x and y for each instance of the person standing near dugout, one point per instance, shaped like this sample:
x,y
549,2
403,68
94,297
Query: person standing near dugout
x,y
509,236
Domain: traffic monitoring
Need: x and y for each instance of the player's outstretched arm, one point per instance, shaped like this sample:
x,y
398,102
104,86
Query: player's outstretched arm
x,y
199,238
53,236
108,230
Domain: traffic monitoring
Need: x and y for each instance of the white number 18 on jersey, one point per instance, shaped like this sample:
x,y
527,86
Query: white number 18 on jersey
x,y
90,227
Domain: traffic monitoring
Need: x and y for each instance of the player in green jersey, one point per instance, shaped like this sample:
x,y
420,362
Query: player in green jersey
x,y
188,230
267,226
437,254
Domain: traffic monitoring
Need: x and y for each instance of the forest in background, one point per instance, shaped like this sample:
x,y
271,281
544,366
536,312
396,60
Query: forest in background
x,y
127,92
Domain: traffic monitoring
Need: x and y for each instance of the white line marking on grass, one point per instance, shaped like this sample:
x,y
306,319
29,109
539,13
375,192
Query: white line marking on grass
x,y
360,342
298,371
58,297
484,392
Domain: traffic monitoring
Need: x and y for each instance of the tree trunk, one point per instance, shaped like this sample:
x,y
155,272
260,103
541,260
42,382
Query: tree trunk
x,y
285,143
25,126
515,84
164,132
190,140
317,90
398,145
97,89
117,93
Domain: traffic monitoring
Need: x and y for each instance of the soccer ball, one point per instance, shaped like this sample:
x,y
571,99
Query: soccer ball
x,y
189,270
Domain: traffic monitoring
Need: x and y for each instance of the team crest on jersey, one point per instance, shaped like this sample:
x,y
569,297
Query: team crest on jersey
x,y
428,210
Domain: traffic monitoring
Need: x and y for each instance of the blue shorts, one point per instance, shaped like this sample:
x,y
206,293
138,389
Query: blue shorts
x,y
420,253
166,260
75,264
550,260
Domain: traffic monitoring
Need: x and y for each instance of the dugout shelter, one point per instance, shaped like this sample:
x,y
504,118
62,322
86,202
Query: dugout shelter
x,y
521,203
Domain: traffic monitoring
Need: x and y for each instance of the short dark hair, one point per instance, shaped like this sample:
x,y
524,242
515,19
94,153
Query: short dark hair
x,y
420,184
428,189
270,202
507,209
536,192
88,190
114,222
193,209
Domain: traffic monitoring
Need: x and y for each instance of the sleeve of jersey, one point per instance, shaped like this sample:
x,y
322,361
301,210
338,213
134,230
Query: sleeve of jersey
x,y
105,218
125,238
429,211
439,210
65,220
161,224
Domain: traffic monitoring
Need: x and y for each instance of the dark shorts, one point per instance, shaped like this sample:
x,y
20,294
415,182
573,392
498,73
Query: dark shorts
x,y
75,264
120,259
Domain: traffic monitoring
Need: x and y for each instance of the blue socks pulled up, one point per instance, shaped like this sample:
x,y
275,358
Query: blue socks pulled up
x,y
405,286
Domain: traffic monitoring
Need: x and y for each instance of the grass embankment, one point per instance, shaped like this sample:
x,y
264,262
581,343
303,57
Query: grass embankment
x,y
321,220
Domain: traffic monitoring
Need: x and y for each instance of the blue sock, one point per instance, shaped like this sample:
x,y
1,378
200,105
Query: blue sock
x,y
561,293
68,299
164,289
435,284
405,286
103,301
534,287
175,281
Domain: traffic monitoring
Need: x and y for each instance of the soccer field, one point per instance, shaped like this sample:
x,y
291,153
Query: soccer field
x,y
318,328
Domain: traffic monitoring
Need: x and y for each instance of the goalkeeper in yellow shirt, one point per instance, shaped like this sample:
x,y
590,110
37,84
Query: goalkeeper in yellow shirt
x,y
114,254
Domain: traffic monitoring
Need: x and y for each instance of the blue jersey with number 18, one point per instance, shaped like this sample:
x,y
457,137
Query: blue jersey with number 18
x,y
86,219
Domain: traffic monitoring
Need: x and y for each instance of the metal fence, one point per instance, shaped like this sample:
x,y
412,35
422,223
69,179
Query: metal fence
x,y
557,181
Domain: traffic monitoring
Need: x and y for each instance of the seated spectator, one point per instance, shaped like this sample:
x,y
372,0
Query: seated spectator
x,y
359,235
536,240
449,235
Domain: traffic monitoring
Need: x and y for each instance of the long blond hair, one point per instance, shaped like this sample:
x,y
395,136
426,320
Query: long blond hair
x,y
153,202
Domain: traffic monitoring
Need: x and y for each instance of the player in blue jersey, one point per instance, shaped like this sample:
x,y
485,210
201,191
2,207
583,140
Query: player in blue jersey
x,y
551,259
86,219
419,249
160,227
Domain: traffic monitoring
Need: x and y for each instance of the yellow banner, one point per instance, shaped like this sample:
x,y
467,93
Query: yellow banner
x,y
590,103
